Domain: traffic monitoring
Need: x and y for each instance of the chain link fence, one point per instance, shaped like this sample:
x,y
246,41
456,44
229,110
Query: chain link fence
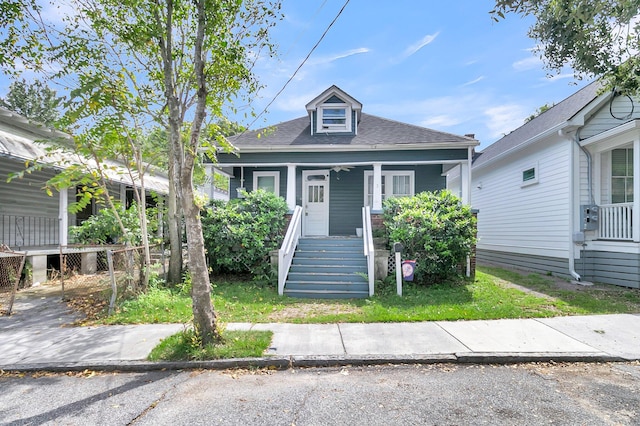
x,y
11,265
81,270
127,270
113,271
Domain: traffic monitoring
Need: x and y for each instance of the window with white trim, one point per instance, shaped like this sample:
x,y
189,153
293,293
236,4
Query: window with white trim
x,y
334,118
269,181
395,183
529,175
622,175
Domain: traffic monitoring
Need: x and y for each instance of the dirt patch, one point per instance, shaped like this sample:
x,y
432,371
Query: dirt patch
x,y
312,309
86,295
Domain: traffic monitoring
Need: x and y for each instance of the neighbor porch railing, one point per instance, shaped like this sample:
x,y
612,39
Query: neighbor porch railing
x,y
18,231
288,248
615,222
369,250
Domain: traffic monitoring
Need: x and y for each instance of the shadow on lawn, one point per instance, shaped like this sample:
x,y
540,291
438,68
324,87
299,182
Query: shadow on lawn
x,y
596,299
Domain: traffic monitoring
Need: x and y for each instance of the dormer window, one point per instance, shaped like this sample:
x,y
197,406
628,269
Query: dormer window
x,y
334,118
334,111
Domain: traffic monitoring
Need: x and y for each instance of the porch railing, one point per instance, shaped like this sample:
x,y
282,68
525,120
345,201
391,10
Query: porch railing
x,y
17,231
288,248
369,250
615,222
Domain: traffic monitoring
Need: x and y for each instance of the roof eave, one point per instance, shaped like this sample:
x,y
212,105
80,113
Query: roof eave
x,y
565,126
359,147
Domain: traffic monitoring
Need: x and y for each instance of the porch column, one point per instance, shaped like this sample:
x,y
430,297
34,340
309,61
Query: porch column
x,y
291,186
636,189
465,186
63,218
123,196
377,187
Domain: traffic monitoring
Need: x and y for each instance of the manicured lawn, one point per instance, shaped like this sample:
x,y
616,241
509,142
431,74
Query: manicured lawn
x,y
490,296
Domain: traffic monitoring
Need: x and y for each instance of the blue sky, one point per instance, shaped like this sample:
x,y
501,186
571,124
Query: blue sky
x,y
442,65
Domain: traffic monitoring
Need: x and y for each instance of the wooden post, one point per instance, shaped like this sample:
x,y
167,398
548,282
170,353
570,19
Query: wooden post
x,y
114,287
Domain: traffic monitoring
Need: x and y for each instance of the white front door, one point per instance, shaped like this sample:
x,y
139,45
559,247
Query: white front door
x,y
315,200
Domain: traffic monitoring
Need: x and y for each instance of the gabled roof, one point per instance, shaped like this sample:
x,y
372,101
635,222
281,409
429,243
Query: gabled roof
x,y
553,118
373,133
24,140
330,92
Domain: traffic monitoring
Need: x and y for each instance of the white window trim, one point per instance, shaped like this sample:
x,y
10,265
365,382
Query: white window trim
x,y
611,177
525,183
328,128
276,180
388,176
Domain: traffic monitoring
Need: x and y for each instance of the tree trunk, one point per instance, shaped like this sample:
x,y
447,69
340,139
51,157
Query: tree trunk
x,y
174,220
204,317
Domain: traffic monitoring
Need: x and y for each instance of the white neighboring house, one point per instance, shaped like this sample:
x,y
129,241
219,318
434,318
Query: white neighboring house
x,y
211,191
558,194
30,220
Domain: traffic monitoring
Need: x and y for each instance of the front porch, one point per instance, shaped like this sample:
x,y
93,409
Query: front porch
x,y
616,222
608,181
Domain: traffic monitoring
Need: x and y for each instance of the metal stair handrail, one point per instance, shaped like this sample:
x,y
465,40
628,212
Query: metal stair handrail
x,y
369,249
288,248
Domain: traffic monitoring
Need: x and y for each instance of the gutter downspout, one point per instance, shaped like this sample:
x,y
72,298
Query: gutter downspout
x,y
572,246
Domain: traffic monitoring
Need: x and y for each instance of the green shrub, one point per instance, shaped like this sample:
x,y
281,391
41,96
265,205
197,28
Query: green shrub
x,y
240,234
436,230
103,228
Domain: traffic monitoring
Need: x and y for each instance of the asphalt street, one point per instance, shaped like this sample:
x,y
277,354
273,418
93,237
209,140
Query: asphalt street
x,y
436,394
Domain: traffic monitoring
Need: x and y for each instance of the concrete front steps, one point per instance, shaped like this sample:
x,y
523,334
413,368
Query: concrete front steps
x,y
328,268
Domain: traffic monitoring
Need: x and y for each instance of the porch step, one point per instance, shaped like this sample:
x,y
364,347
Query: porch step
x,y
328,268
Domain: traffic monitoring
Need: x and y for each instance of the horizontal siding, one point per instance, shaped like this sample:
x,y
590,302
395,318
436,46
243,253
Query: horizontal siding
x,y
346,198
346,190
585,195
605,118
28,216
26,195
341,157
235,182
533,218
621,269
540,264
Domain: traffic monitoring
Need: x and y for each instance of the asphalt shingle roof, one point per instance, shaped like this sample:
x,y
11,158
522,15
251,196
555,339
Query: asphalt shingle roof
x,y
549,119
372,130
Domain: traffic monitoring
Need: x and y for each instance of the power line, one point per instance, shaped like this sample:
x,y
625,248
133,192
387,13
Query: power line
x,y
301,33
299,66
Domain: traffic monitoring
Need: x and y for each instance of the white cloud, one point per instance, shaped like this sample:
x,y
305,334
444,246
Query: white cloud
x,y
336,56
559,77
503,119
480,113
439,121
527,64
419,44
469,83
295,101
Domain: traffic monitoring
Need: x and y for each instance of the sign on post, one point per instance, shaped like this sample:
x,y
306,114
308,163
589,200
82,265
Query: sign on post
x,y
408,268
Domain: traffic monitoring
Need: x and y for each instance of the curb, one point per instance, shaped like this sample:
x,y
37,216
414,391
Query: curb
x,y
284,363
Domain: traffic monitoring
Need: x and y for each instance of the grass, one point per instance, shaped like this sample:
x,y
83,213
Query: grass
x,y
490,296
495,293
184,346
597,299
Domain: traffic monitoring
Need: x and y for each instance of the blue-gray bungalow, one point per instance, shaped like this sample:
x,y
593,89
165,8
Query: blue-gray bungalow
x,y
336,159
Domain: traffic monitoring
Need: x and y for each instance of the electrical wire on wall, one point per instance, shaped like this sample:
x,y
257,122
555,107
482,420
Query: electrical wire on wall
x,y
614,93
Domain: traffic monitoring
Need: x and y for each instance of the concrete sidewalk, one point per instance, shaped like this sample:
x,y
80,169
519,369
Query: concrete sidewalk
x,y
26,344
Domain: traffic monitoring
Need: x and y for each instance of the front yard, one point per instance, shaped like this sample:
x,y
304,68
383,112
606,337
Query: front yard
x,y
496,293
